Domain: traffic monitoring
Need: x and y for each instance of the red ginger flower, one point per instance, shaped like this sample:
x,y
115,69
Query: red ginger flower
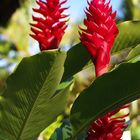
x,y
49,30
107,127
100,34
98,38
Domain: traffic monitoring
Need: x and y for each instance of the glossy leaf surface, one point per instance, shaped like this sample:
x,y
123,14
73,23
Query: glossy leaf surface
x,y
28,104
107,93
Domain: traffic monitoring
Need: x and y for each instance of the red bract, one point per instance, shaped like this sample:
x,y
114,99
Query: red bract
x,y
100,34
107,127
49,29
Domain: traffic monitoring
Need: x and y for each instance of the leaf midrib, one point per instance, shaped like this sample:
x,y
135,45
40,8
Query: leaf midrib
x,y
34,104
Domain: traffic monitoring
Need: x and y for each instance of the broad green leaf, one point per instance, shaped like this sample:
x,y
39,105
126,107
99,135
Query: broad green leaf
x,y
129,35
134,53
135,59
77,58
28,104
107,93
46,134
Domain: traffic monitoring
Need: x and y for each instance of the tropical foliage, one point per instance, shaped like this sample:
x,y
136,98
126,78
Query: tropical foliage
x,y
42,97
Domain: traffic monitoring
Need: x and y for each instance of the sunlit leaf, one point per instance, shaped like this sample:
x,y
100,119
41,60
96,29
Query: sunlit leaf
x,y
28,104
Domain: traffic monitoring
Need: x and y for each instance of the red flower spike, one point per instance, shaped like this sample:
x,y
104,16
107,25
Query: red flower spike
x,y
100,34
49,30
107,127
98,38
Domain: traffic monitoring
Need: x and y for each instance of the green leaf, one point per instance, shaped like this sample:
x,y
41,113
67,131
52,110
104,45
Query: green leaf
x,y
77,58
49,131
135,132
134,53
107,93
64,132
28,104
129,35
135,59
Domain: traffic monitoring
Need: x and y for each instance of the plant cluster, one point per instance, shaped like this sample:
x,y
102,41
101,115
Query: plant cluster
x,y
37,91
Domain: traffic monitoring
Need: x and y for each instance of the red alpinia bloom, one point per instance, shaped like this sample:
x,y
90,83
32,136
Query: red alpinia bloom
x,y
100,34
107,127
98,38
49,29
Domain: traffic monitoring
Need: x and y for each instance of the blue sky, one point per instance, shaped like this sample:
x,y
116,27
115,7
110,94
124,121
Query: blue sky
x,y
77,7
